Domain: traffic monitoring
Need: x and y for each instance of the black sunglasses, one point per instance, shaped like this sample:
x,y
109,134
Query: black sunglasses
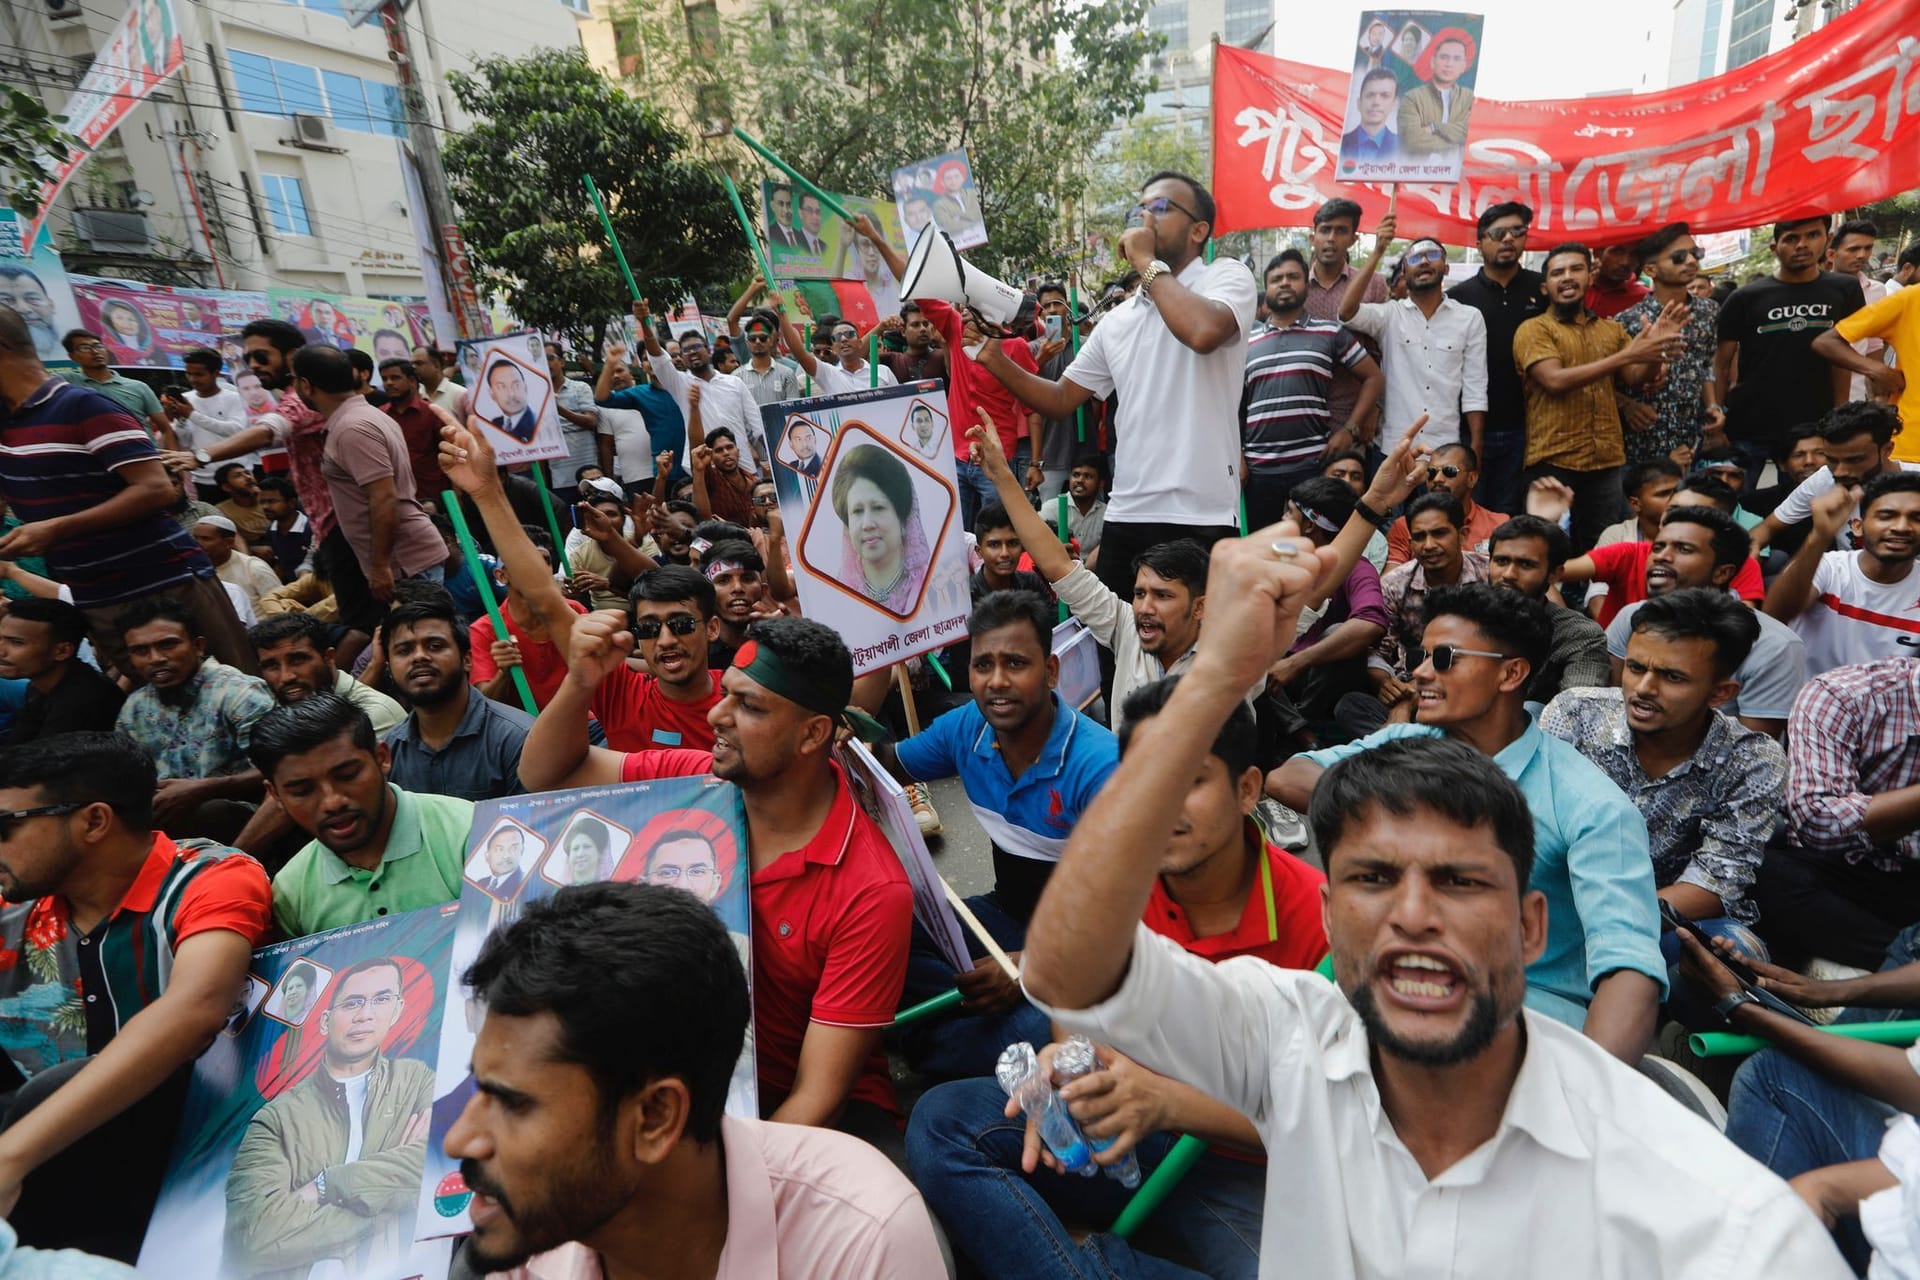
x,y
1506,233
12,816
679,624
1443,655
1447,469
258,357
1679,256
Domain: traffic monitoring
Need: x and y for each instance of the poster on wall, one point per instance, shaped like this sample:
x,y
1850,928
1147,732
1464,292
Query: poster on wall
x,y
384,328
149,328
35,284
511,396
867,481
354,1013
683,833
940,190
1411,100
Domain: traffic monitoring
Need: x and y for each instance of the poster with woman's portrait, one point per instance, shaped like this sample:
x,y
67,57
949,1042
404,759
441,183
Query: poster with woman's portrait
x,y
1411,97
510,397
684,833
352,1013
876,544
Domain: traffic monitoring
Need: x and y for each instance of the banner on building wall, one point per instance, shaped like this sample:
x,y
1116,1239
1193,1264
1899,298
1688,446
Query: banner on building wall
x,y
141,51
1834,119
34,283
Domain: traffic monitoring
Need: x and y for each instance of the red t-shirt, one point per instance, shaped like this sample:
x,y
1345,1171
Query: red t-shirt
x,y
638,715
832,925
1623,567
970,387
542,660
1291,937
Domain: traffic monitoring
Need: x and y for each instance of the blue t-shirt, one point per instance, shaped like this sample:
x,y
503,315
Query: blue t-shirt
x,y
1028,818
665,427
1590,859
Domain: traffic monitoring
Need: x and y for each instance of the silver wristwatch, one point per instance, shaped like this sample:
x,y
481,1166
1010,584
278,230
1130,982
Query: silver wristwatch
x,y
202,457
1154,271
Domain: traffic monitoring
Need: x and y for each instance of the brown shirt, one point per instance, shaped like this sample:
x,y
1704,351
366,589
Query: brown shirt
x,y
1579,430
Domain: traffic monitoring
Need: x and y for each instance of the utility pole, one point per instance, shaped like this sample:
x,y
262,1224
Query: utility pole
x,y
451,249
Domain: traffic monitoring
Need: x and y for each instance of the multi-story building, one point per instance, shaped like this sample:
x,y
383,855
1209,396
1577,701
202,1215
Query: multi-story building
x,y
1713,37
273,157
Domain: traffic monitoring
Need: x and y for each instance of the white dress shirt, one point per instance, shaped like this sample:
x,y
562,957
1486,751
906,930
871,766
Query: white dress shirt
x,y
1437,367
215,418
725,401
1593,1172
1178,456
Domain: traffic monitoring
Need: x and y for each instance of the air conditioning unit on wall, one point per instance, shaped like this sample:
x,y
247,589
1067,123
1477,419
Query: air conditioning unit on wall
x,y
314,133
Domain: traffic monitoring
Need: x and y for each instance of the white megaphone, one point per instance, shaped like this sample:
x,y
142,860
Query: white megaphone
x,y
935,269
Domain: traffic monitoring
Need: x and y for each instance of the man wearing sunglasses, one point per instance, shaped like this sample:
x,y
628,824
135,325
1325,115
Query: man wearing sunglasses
x,y
1685,407
1454,469
1506,295
725,401
142,941
848,351
1602,970
769,378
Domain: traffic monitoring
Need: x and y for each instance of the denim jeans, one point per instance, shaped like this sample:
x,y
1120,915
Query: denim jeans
x,y
964,1154
956,1046
1687,1004
976,491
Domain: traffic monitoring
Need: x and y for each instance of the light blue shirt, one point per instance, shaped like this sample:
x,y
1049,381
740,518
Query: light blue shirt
x,y
1590,859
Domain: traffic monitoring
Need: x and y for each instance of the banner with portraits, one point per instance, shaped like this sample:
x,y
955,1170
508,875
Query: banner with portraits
x,y
511,396
1411,97
867,490
940,190
151,328
684,833
266,1179
33,281
384,328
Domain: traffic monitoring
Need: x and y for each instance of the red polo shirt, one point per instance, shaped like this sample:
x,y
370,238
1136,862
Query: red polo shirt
x,y
1283,929
832,924
544,664
638,715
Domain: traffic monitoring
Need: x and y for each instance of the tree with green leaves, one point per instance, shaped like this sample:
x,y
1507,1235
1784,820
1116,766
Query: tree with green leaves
x,y
540,123
32,144
850,91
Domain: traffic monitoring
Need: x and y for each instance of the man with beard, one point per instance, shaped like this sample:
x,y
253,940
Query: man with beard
x,y
1030,765
601,1146
1601,967
1526,554
722,485
1858,443
725,402
329,1171
435,387
832,910
1616,285
1433,349
1285,427
455,742
376,849
1685,406
923,359
1414,1092
1569,357
1506,295
298,662
1086,510
1855,606
1454,469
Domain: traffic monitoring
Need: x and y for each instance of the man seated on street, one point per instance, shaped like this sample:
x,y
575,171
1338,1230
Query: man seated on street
x,y
131,947
1030,765
1526,554
1437,535
1649,488
1619,571
1329,660
1708,786
1859,438
241,504
1417,1077
192,715
1086,510
1845,880
298,662
376,849
1453,469
1855,606
289,533
1701,547
456,741
599,1144
998,543
220,539
1222,891
740,581
1601,968
40,643
1800,452
832,910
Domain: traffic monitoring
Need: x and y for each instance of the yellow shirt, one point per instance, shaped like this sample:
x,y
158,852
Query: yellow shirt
x,y
1895,320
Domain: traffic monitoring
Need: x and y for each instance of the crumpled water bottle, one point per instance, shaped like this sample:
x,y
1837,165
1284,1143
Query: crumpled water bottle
x,y
1072,1060
1020,1076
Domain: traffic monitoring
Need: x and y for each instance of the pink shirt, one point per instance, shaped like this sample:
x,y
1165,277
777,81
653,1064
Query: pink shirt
x,y
802,1204
364,445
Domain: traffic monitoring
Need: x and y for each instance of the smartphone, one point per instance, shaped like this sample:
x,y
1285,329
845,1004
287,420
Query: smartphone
x,y
1670,918
1053,328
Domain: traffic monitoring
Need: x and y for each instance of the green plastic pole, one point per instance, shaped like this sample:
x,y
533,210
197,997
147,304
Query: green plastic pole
x,y
927,1008
806,336
553,521
873,358
1185,1154
1073,336
801,178
450,503
940,671
746,228
619,254
1065,538
1722,1044
1243,515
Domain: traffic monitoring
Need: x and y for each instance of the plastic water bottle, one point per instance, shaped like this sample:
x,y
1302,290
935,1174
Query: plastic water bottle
x,y
1020,1076
1072,1060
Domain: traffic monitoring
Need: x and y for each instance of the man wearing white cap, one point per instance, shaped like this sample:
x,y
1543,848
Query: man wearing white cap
x,y
219,538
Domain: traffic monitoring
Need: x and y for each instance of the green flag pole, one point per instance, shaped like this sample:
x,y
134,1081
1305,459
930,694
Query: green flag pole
x,y
619,254
450,502
746,228
805,182
1073,336
806,336
553,521
1721,1044
1065,538
873,358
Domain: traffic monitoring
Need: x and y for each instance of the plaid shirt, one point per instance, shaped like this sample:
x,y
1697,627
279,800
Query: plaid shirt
x,y
1854,734
203,732
1709,819
1404,588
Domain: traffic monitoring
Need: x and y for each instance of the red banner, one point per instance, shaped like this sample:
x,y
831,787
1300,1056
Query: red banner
x,y
1832,121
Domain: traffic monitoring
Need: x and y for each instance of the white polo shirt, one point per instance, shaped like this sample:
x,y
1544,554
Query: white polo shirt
x,y
1177,451
1437,367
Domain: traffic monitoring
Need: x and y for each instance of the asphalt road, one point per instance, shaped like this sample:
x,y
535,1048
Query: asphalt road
x,y
961,853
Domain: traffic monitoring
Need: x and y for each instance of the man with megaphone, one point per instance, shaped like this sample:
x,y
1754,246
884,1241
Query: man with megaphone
x,y
1176,353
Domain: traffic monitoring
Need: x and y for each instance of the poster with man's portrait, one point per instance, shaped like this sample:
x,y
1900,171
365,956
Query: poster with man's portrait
x,y
510,397
940,191
353,1014
35,284
683,833
877,554
1411,98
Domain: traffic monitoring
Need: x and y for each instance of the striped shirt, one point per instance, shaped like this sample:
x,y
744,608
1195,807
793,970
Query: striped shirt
x,y
1284,419
66,994
59,451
